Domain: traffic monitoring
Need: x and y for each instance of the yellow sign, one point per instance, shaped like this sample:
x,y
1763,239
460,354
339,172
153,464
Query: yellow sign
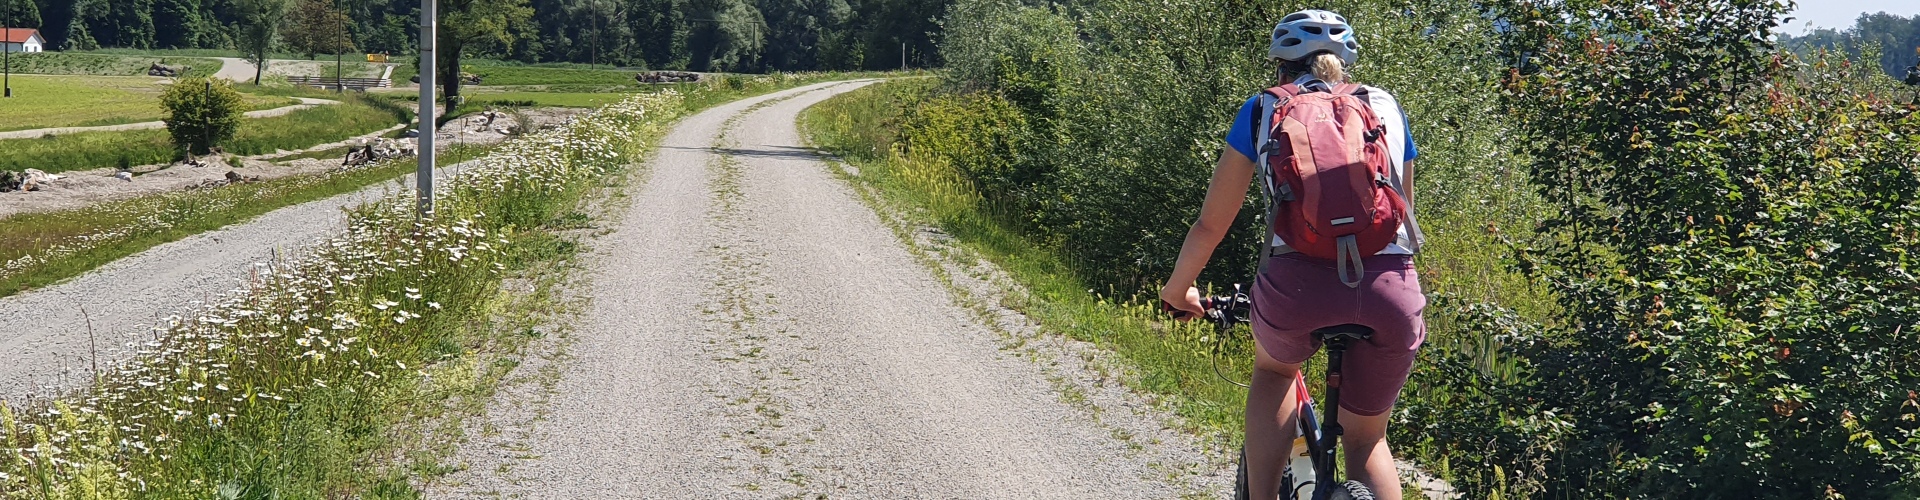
x,y
376,58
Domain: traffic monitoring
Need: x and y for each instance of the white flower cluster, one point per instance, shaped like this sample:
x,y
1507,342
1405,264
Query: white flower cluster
x,y
391,291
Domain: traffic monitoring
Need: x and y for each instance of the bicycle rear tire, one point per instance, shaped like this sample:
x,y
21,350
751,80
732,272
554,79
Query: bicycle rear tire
x,y
1240,491
1352,490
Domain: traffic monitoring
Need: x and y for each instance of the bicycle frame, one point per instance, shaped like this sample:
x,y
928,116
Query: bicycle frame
x,y
1311,458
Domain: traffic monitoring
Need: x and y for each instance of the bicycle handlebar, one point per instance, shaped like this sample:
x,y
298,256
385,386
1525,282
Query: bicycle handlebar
x,y
1221,310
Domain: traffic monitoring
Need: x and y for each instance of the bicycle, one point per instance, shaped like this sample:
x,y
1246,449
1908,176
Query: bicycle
x,y
1313,458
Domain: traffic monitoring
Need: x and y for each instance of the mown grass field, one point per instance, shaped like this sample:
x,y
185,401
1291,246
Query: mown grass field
x,y
99,64
44,101
299,130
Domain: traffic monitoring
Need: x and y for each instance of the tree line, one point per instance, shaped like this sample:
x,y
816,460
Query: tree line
x,y
1896,39
698,35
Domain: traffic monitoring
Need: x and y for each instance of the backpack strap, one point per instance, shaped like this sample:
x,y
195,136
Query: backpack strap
x,y
1408,223
1271,102
1347,253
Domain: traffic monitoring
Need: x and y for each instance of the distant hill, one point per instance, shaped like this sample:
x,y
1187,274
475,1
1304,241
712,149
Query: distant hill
x,y
1898,37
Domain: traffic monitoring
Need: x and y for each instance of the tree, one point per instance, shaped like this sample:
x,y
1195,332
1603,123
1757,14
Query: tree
x,y
201,113
260,22
23,13
76,35
316,27
726,34
479,25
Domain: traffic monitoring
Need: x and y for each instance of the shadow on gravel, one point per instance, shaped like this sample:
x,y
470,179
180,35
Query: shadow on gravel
x,y
774,152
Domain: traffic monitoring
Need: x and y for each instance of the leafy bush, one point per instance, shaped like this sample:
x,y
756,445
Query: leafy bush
x,y
1731,249
201,113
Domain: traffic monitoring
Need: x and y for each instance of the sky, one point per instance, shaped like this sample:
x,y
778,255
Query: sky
x,y
1839,14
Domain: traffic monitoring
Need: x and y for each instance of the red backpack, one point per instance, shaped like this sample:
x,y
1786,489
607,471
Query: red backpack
x,y
1328,178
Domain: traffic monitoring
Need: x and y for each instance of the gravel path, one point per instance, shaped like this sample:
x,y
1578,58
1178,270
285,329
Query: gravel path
x,y
45,343
305,102
757,332
235,69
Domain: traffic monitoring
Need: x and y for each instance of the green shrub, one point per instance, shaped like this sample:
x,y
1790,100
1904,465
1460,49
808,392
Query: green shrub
x,y
202,113
1731,249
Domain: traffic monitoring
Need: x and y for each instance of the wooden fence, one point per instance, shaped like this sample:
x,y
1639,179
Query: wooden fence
x,y
352,83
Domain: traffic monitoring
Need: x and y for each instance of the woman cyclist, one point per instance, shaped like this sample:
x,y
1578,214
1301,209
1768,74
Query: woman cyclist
x,y
1295,294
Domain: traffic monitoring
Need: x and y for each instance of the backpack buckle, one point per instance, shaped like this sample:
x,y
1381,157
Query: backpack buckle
x,y
1375,133
1271,147
1285,193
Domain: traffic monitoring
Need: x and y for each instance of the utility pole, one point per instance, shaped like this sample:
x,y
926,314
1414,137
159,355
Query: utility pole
x,y
903,56
423,177
7,47
339,79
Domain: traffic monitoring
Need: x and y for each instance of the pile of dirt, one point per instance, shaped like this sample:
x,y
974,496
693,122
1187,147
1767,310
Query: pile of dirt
x,y
667,77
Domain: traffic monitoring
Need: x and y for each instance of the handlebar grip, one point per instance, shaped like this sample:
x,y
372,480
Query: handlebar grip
x,y
1177,313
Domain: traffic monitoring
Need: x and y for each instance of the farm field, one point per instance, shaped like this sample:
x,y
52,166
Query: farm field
x,y
45,101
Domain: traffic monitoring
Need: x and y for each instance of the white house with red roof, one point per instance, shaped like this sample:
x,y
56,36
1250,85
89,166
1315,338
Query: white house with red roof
x,y
21,40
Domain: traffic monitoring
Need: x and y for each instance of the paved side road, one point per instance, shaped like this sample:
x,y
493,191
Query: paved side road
x,y
757,332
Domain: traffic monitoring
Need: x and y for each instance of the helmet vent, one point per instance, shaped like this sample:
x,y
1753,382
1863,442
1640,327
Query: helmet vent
x,y
1312,29
1289,42
1297,16
1281,32
1337,31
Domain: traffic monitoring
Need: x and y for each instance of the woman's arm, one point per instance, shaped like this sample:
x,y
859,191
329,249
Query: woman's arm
x,y
1225,194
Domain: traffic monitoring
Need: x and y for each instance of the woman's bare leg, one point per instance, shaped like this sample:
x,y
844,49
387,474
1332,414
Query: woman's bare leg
x,y
1272,423
1369,460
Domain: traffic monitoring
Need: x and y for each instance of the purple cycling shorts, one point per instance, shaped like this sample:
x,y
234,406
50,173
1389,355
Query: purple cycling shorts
x,y
1297,294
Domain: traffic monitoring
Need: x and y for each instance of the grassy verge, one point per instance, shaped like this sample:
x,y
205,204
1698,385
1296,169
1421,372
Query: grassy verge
x,y
301,129
323,376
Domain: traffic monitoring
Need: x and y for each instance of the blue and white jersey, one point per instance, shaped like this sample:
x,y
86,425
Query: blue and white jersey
x,y
1243,137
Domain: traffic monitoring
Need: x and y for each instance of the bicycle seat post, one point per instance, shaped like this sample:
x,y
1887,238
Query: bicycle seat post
x,y
1335,338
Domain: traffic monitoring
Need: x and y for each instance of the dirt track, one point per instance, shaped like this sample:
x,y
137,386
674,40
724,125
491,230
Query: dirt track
x,y
756,331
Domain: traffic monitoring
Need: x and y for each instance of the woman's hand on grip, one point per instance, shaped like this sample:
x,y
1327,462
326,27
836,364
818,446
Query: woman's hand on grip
x,y
1182,301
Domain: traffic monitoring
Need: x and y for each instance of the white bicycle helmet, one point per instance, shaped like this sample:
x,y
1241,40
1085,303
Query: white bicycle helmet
x,y
1304,33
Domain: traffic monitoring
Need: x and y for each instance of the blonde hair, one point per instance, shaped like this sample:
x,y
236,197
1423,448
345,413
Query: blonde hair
x,y
1325,66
